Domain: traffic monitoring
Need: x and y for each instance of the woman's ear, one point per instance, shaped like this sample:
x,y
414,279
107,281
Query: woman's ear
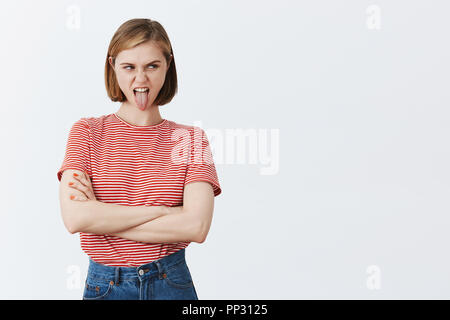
x,y
111,62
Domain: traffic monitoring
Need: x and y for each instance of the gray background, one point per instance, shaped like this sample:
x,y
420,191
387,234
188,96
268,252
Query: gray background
x,y
358,206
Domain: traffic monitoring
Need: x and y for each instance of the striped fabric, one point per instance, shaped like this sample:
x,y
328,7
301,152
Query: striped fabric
x,y
135,166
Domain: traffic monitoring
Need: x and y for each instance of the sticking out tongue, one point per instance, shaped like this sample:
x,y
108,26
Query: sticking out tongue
x,y
141,99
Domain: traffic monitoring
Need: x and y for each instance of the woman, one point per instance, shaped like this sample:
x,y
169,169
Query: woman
x,y
137,187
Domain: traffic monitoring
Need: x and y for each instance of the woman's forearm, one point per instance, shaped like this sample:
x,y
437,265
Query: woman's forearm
x,y
105,218
173,227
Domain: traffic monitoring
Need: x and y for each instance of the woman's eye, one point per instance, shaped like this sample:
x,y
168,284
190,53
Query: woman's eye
x,y
152,65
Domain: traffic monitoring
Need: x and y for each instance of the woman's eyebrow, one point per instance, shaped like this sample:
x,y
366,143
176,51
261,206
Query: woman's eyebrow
x,y
133,64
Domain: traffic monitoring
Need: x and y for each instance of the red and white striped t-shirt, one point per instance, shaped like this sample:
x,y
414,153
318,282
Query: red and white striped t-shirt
x,y
135,166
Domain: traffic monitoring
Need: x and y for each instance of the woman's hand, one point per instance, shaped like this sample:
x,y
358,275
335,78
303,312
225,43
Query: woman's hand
x,y
82,183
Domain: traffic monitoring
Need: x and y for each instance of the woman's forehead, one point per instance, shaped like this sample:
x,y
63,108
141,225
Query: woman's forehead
x,y
143,52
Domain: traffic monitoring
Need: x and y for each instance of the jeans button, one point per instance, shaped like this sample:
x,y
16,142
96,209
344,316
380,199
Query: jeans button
x,y
141,272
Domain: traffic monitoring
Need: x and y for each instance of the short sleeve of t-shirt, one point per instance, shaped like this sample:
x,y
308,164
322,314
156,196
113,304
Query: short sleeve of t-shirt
x,y
201,164
77,149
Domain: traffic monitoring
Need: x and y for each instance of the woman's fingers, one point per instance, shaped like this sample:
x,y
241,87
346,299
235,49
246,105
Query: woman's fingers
x,y
87,191
78,198
85,185
83,179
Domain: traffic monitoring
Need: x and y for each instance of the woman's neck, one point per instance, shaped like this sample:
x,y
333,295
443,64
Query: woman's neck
x,y
133,115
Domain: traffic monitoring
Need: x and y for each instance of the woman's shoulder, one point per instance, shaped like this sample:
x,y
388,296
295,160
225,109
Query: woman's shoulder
x,y
95,122
176,125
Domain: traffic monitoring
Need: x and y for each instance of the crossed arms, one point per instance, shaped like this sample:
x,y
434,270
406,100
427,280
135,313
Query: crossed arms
x,y
149,224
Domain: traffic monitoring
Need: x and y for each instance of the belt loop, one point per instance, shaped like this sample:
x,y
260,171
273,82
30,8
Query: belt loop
x,y
117,276
158,265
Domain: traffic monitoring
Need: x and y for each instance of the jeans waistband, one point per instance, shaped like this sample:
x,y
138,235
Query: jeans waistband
x,y
98,270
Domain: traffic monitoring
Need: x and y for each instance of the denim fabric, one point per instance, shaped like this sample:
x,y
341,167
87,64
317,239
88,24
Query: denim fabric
x,y
167,278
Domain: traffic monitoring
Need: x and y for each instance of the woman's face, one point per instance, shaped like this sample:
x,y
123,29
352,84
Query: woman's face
x,y
144,68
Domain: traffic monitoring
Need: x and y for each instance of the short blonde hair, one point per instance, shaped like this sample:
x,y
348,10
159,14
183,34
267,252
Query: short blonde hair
x,y
130,34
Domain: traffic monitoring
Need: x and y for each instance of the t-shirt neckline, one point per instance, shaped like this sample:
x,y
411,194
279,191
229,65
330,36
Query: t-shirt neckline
x,y
140,127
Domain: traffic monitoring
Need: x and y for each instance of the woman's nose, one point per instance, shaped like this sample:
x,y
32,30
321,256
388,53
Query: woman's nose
x,y
141,75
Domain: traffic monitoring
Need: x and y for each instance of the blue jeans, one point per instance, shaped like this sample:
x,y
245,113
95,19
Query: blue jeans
x,y
167,278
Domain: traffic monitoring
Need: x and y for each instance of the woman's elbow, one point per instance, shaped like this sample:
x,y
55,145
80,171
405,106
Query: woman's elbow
x,y
70,223
71,229
202,233
200,239
74,217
